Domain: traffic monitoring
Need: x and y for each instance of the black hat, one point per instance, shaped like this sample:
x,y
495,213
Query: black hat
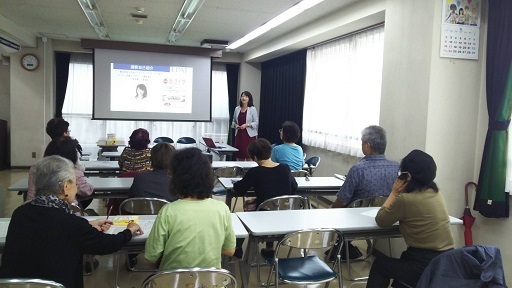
x,y
421,166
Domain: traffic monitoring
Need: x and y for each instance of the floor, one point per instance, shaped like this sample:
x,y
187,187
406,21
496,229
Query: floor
x,y
104,275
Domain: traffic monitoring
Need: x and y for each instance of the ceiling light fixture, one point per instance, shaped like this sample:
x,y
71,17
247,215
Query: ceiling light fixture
x,y
92,12
187,13
278,20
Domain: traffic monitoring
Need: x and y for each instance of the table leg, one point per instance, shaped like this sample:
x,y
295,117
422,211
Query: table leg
x,y
245,265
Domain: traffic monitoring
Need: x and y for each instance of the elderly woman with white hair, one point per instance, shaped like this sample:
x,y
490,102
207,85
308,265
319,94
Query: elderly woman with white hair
x,y
44,240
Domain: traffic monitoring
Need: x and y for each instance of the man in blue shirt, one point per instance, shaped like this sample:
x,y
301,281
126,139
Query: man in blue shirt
x,y
374,175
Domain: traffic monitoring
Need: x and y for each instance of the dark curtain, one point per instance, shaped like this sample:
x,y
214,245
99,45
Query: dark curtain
x,y
232,71
61,81
491,200
283,82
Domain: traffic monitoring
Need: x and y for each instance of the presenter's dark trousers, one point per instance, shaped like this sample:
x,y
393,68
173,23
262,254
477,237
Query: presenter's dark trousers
x,y
407,269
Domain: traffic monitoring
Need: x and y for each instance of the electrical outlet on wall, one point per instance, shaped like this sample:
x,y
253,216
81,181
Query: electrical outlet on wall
x,y
33,154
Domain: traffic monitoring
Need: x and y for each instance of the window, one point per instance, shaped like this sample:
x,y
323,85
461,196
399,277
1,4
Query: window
x,y
77,110
343,89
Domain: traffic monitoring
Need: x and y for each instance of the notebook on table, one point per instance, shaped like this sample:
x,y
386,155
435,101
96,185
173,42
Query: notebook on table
x,y
211,144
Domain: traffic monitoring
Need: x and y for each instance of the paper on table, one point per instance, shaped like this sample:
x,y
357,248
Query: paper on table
x,y
371,213
145,225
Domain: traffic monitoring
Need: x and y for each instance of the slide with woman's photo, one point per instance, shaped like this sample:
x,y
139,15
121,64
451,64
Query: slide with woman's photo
x,y
150,88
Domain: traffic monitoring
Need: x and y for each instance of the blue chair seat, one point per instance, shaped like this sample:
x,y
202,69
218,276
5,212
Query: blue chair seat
x,y
304,269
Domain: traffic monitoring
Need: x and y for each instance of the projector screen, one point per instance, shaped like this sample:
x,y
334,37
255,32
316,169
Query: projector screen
x,y
131,85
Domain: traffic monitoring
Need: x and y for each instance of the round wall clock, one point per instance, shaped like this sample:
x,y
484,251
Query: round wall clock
x,y
29,62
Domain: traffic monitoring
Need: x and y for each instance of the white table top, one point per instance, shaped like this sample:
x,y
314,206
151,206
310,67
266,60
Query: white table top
x,y
101,165
111,154
99,184
244,164
260,223
145,222
114,165
314,183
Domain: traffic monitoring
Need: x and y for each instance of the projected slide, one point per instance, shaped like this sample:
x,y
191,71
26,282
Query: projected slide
x,y
150,88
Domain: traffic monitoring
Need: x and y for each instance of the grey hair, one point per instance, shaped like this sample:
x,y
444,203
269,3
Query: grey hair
x,y
51,173
376,137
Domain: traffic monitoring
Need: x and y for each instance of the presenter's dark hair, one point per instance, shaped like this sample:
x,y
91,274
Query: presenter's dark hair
x,y
143,88
291,132
139,139
161,156
63,146
56,127
192,174
249,95
261,149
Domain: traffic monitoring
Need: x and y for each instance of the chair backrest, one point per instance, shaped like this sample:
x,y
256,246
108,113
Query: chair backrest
x,y
311,239
378,201
76,209
365,202
191,277
186,140
300,173
230,172
287,202
163,140
141,206
313,161
28,283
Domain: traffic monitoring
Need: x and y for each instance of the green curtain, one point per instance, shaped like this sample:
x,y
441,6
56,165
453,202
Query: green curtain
x,y
491,200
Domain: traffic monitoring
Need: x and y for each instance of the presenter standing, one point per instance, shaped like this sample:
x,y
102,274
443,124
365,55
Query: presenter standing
x,y
245,123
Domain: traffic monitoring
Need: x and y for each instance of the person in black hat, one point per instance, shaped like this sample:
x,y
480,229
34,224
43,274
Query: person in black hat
x,y
416,203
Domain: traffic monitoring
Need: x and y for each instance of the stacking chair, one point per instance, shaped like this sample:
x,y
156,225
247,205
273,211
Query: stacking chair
x,y
365,202
286,202
186,141
378,201
307,269
230,172
28,283
140,206
191,277
311,164
163,140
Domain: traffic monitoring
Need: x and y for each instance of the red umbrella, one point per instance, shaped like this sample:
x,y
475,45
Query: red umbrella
x,y
467,218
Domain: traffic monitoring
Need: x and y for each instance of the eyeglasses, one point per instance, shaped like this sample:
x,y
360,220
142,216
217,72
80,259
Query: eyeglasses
x,y
69,131
281,130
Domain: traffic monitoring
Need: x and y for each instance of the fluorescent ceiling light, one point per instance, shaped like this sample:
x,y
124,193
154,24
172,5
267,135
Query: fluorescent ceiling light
x,y
187,13
92,12
278,20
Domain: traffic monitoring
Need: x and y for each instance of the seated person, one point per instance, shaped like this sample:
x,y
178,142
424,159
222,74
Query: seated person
x,y
58,127
64,146
194,230
136,157
155,183
416,203
373,176
268,179
44,240
289,153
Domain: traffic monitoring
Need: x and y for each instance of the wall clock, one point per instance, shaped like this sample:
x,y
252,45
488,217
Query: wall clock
x,y
29,62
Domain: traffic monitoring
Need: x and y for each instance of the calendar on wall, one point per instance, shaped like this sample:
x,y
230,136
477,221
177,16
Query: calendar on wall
x,y
460,29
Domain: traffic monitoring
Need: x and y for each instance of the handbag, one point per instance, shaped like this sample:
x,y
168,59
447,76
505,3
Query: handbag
x,y
250,205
